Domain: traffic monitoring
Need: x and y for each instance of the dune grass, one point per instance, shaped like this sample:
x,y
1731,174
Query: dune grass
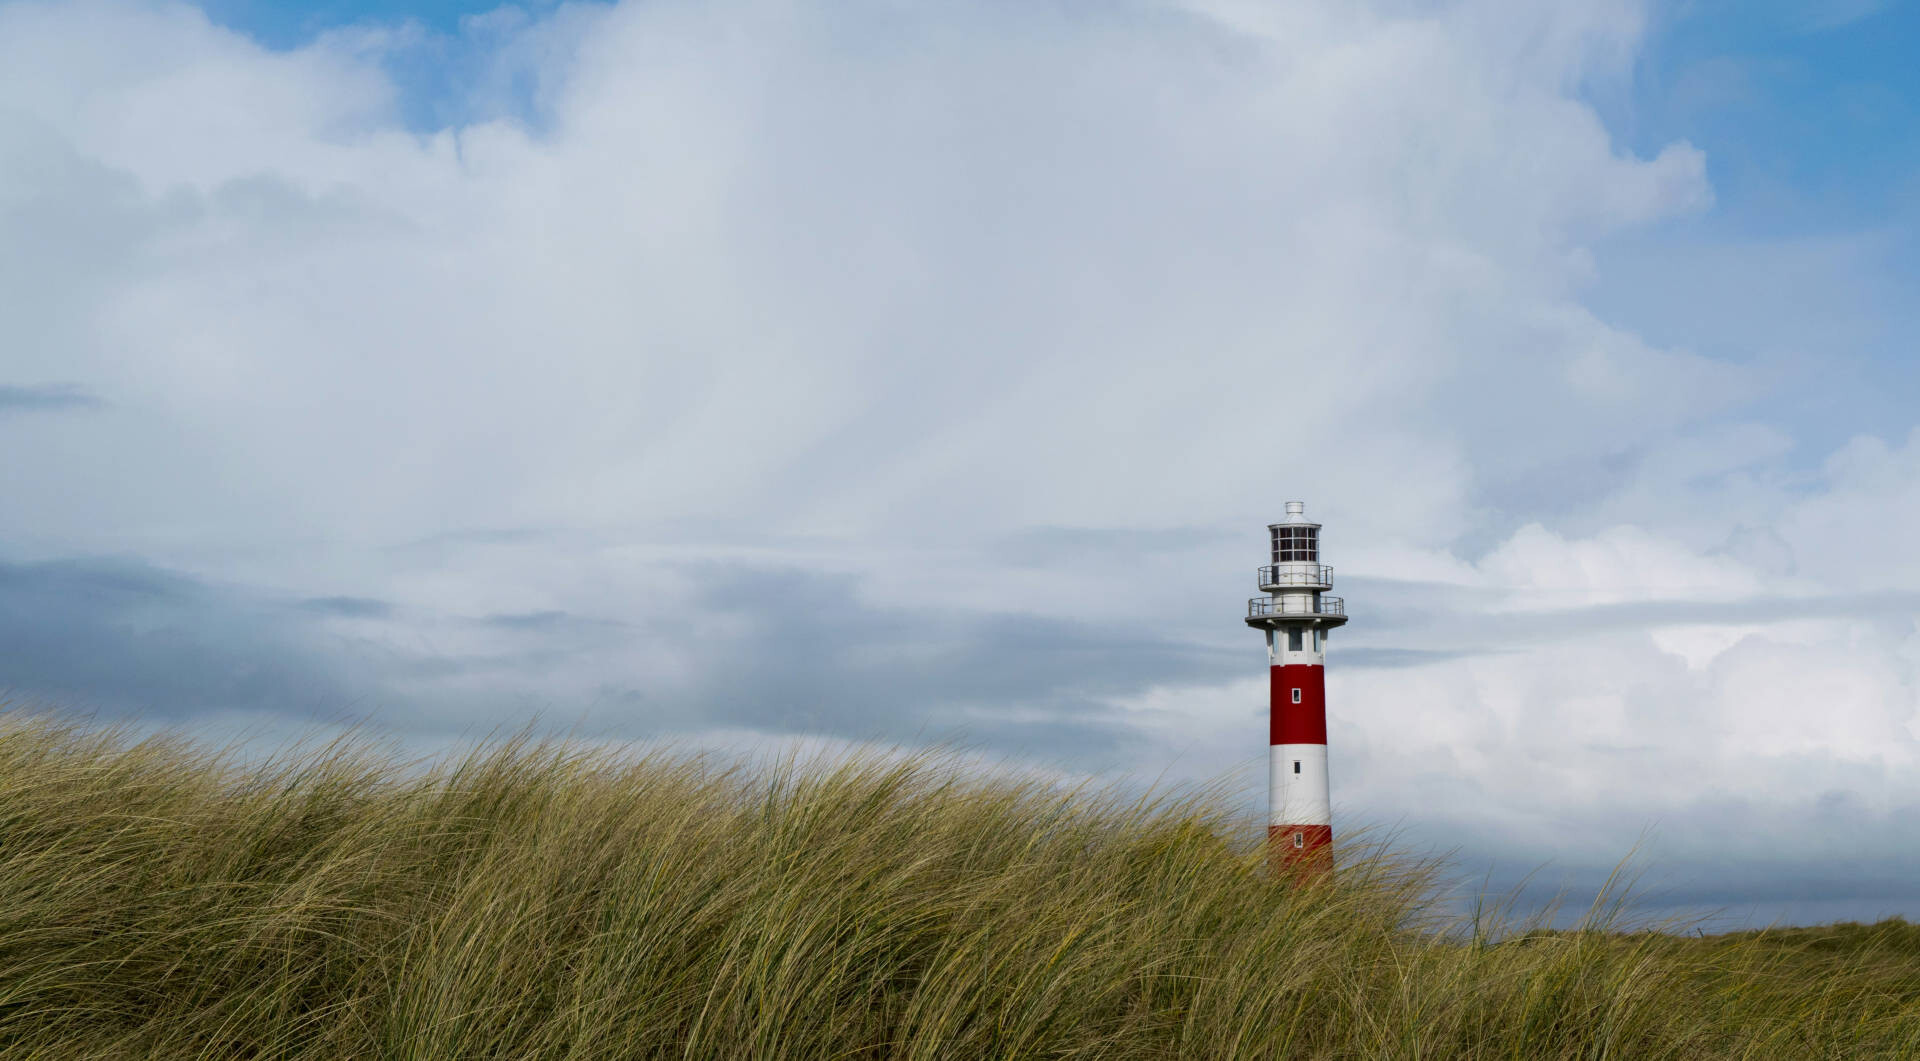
x,y
526,901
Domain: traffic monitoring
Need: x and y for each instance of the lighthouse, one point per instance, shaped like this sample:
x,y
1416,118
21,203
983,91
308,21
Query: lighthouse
x,y
1296,614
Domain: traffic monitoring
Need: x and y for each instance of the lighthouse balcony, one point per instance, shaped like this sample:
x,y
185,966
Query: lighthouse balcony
x,y
1296,576
1283,607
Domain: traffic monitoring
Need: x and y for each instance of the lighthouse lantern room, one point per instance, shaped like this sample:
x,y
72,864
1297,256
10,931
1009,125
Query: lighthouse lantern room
x,y
1297,614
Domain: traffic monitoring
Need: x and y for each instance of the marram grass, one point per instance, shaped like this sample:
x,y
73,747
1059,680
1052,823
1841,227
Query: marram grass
x,y
526,901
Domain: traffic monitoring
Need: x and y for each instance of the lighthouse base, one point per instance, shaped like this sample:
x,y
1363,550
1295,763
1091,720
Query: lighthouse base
x,y
1300,850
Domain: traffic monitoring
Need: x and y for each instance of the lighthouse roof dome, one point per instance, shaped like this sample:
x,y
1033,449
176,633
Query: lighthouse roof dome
x,y
1296,516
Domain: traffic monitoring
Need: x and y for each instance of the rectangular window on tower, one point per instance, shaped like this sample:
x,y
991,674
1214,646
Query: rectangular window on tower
x,y
1296,696
1296,766
1299,839
1295,641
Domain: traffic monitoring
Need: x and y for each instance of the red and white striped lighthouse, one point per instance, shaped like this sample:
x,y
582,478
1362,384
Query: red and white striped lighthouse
x,y
1296,614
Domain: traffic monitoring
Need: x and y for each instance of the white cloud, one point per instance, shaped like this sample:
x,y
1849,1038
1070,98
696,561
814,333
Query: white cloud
x,y
1543,569
880,275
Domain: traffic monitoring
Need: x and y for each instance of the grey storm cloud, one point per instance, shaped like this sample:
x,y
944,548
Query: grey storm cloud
x,y
552,620
349,607
1431,612
46,397
1683,866
776,650
803,655
811,658
121,637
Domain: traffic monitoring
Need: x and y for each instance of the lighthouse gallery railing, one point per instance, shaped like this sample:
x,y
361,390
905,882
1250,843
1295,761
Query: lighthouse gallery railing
x,y
1260,607
1296,574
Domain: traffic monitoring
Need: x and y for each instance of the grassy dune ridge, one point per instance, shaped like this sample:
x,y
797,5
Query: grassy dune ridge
x,y
527,900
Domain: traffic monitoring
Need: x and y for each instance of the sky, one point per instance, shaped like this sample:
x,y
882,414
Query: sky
x,y
757,374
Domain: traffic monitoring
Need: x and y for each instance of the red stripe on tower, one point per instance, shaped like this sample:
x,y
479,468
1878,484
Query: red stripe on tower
x,y
1301,718
1297,615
